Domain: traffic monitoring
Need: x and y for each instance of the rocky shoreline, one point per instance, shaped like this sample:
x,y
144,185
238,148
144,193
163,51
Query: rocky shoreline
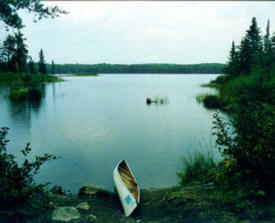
x,y
168,205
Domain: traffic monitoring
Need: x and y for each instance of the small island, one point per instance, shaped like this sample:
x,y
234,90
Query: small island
x,y
234,182
82,75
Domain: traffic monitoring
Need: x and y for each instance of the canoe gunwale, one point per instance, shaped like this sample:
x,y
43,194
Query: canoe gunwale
x,y
123,190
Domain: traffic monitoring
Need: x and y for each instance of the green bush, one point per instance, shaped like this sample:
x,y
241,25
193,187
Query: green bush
x,y
212,102
200,168
24,86
201,97
249,150
19,94
221,79
19,194
23,94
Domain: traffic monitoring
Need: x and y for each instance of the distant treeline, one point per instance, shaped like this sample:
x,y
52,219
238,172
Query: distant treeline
x,y
210,68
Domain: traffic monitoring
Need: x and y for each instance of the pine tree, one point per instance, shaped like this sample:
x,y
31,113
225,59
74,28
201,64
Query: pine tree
x,y
267,41
42,67
2,59
251,48
8,50
232,65
21,52
31,66
255,39
53,67
15,53
273,45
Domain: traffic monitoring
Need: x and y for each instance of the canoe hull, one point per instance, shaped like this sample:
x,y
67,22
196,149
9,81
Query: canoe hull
x,y
127,199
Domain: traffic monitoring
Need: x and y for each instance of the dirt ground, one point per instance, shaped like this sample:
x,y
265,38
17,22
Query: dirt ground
x,y
161,206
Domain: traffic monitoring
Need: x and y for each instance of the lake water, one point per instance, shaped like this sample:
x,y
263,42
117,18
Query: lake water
x,y
94,122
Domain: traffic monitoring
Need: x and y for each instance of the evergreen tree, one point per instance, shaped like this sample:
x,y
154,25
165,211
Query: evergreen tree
x,y
245,56
31,66
42,67
251,48
273,46
21,52
14,52
8,52
2,60
267,41
53,67
232,66
255,40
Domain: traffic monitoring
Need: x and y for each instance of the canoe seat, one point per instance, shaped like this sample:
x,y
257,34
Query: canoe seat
x,y
129,182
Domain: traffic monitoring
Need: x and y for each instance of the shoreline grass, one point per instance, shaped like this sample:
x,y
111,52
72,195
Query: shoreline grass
x,y
200,168
211,85
81,75
202,96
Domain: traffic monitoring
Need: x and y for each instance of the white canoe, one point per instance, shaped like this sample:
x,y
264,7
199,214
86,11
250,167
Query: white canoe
x,y
127,187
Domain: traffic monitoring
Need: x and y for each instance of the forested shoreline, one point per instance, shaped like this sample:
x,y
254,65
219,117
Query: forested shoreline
x,y
239,188
153,68
246,91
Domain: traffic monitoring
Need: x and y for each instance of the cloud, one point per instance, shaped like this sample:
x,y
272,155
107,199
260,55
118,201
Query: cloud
x,y
142,32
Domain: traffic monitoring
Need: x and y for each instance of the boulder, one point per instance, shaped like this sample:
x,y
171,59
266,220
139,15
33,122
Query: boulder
x,y
65,214
92,217
52,205
57,190
91,190
83,206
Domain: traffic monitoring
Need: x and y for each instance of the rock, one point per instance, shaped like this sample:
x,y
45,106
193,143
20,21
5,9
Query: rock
x,y
65,214
83,206
52,204
91,190
57,190
92,217
59,197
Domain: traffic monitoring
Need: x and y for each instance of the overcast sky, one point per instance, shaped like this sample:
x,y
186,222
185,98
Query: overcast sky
x,y
144,32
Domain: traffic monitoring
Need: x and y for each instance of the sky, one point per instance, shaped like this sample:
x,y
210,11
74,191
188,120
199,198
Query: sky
x,y
144,32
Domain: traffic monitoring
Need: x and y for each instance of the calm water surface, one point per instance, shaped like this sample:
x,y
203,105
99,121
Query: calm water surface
x,y
94,122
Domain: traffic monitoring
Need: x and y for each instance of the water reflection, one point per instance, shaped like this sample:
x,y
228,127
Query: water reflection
x,y
21,111
92,123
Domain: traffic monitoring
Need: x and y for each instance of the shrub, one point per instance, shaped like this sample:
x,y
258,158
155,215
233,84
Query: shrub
x,y
213,102
197,169
24,86
250,148
23,94
19,94
200,97
18,191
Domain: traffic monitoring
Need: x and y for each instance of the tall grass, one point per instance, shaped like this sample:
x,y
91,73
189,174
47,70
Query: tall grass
x,y
201,97
82,74
210,101
198,168
157,100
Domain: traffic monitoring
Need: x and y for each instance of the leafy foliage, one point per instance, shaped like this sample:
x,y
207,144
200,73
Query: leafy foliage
x,y
17,186
9,11
248,92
